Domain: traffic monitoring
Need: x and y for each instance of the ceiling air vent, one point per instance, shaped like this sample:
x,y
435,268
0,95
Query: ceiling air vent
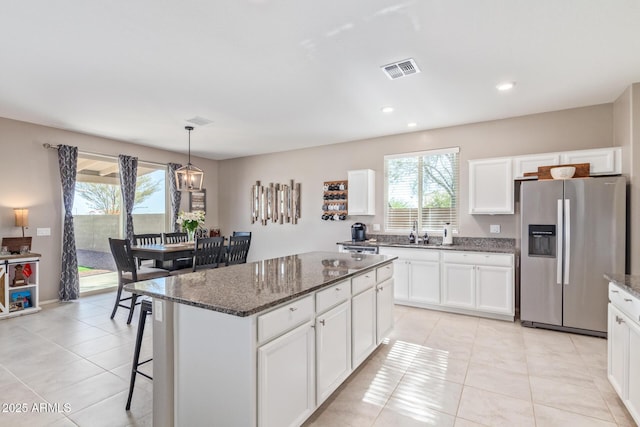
x,y
200,121
401,69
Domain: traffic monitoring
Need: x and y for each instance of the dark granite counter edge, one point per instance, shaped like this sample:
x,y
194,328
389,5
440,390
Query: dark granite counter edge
x,y
626,282
131,288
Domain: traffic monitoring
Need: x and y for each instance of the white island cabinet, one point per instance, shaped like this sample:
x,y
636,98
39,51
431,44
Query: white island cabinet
x,y
624,348
265,343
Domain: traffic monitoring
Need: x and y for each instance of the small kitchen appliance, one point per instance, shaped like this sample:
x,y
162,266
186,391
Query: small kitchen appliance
x,y
358,232
447,235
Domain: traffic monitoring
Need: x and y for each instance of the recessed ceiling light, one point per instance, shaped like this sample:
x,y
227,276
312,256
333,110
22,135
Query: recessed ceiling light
x,y
412,124
387,110
505,86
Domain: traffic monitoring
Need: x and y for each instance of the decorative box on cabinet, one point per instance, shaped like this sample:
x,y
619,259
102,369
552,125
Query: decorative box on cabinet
x,y
19,295
491,186
362,192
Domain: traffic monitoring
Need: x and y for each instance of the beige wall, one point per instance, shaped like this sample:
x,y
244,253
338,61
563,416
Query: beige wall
x,y
31,174
31,179
574,129
626,132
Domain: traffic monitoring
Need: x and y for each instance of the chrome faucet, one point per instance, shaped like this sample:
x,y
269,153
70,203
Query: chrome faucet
x,y
413,237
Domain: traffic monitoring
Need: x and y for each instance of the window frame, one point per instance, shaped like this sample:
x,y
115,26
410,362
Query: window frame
x,y
417,155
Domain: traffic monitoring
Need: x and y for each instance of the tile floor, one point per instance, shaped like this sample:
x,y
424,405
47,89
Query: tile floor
x,y
436,369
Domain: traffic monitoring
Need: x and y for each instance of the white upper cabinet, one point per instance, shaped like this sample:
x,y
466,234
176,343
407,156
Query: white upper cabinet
x,y
604,161
524,164
491,186
362,192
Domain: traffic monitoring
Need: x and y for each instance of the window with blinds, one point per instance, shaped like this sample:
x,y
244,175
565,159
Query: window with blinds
x,y
421,187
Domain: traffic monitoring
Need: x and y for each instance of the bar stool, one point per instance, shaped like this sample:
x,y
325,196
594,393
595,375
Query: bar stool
x,y
145,308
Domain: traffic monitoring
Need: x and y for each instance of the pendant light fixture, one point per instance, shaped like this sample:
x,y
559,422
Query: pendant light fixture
x,y
189,177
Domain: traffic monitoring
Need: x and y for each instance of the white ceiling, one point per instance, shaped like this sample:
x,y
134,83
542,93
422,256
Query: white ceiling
x,y
277,75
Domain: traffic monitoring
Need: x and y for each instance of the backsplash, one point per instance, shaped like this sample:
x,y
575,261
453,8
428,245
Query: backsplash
x,y
479,242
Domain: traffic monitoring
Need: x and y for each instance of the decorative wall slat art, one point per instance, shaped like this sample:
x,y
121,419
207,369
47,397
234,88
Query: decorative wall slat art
x,y
279,203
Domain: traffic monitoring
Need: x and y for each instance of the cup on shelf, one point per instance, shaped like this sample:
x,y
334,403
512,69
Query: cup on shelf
x,y
4,250
24,249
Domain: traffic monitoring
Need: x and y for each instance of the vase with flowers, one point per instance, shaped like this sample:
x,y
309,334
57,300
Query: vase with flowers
x,y
190,221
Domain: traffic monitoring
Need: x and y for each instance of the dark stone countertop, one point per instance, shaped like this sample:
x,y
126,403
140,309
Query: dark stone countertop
x,y
246,289
626,282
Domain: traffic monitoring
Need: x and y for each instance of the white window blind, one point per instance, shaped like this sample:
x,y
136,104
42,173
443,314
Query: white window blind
x,y
421,187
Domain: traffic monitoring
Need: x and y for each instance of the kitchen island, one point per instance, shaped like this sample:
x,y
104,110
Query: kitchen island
x,y
264,343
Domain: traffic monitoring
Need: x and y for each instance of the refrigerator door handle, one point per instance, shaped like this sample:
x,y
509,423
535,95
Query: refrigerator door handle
x,y
559,238
567,239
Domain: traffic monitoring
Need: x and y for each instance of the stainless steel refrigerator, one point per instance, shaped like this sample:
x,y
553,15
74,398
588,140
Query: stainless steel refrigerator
x,y
573,231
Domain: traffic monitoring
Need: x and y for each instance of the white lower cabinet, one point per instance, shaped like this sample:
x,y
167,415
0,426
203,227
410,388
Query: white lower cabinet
x,y
458,285
416,275
618,343
286,378
623,340
333,349
479,281
494,289
384,309
363,325
633,395
468,282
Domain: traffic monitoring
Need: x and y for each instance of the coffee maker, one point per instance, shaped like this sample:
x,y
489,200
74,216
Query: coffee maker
x,y
358,232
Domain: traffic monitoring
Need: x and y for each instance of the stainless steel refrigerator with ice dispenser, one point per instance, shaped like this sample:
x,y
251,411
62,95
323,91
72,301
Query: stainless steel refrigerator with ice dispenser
x,y
573,231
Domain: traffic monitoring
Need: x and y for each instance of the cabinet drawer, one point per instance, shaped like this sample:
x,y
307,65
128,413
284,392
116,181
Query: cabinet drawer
x,y
363,282
383,273
418,253
477,258
284,318
333,295
625,302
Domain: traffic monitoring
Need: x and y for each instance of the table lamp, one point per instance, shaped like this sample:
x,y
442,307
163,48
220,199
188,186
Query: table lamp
x,y
22,218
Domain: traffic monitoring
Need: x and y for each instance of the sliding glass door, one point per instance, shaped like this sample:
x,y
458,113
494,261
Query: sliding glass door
x,y
98,214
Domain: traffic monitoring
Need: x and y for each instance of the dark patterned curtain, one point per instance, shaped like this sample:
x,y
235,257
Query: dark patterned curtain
x,y
128,174
69,281
174,195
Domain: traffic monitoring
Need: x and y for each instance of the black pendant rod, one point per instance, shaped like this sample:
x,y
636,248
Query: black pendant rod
x,y
189,128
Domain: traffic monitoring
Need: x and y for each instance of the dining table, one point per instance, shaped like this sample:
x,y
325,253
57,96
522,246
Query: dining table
x,y
164,255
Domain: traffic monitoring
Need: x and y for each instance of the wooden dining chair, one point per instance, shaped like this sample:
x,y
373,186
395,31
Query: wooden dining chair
x,y
238,250
174,237
128,272
146,239
209,253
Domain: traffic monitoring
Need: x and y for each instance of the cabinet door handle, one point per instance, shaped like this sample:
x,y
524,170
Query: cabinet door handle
x,y
322,322
619,320
613,291
338,289
293,308
628,300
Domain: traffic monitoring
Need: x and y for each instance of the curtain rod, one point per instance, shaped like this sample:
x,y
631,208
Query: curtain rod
x,y
108,156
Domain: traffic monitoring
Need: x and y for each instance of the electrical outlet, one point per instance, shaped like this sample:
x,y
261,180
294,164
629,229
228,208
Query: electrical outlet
x,y
43,231
376,227
494,228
